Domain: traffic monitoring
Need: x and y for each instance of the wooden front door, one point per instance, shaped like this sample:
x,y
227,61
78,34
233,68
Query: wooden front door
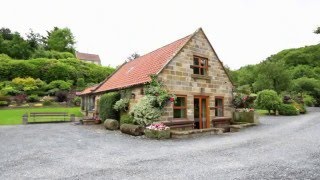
x,y
201,112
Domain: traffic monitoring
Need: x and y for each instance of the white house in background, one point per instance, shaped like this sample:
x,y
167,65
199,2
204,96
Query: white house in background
x,y
90,58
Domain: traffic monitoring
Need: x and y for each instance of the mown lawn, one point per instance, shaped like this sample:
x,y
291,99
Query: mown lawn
x,y
14,116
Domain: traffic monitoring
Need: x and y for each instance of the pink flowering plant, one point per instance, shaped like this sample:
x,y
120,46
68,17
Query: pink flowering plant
x,y
158,127
243,100
245,110
157,131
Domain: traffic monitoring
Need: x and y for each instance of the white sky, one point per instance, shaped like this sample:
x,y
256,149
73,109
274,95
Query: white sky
x,y
241,31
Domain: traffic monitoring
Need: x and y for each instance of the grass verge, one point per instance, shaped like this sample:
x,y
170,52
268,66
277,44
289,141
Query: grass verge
x,y
14,116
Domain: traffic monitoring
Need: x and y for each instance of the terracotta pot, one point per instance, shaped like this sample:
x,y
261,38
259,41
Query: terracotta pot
x,y
97,121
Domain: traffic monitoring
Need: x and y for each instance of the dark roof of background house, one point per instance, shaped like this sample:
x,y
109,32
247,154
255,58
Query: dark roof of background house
x,y
87,56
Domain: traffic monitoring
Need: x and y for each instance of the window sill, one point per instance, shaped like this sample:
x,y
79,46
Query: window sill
x,y
175,121
180,119
197,76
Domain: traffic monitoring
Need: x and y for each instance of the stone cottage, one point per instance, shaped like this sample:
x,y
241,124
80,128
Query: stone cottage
x,y
189,68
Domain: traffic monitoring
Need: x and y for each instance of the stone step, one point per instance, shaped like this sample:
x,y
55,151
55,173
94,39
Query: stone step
x,y
238,126
87,121
196,132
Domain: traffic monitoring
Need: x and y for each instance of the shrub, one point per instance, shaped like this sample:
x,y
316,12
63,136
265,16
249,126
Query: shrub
x,y
53,91
20,98
287,99
288,110
10,90
61,96
150,107
80,84
268,99
157,91
47,102
121,105
4,103
77,101
107,102
59,84
33,98
52,54
243,100
28,85
126,119
5,98
144,113
302,109
309,100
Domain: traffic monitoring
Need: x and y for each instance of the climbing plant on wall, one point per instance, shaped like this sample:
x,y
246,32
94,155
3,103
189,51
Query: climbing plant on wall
x,y
150,107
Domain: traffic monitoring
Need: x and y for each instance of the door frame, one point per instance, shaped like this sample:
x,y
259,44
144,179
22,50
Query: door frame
x,y
200,110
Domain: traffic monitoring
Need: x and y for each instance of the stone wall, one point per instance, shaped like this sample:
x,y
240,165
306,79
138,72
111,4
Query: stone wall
x,y
179,79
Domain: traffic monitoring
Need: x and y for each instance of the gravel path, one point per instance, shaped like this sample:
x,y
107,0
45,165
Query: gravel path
x,y
279,148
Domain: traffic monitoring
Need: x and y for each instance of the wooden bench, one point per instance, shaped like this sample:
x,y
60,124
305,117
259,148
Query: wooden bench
x,y
48,117
179,124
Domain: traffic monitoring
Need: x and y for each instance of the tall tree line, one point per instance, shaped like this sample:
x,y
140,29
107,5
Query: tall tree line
x,y
34,45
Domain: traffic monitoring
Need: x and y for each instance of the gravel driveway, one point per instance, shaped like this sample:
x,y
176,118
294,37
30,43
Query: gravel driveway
x,y
280,148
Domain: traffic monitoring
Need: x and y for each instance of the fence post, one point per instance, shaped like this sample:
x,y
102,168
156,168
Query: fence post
x,y
25,119
72,117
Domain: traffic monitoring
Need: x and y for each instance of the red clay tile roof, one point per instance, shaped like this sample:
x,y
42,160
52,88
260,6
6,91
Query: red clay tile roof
x,y
86,56
138,71
88,90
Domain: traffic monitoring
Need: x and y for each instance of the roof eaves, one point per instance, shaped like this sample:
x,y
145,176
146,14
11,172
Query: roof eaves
x,y
93,91
124,87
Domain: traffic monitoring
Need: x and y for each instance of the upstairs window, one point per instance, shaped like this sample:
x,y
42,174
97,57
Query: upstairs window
x,y
200,65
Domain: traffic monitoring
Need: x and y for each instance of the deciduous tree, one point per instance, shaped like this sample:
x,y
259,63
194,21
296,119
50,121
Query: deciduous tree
x,y
61,40
272,75
268,99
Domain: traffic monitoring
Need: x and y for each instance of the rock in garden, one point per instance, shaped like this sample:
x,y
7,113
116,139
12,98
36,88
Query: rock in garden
x,y
111,124
131,129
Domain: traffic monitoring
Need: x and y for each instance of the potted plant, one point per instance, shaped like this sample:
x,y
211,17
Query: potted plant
x,y
157,131
97,119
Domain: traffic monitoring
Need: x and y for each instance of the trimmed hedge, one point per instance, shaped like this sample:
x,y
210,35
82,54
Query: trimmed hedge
x,y
51,69
288,110
107,102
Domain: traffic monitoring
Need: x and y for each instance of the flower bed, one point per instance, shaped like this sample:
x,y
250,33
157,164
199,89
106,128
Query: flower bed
x,y
157,131
245,115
